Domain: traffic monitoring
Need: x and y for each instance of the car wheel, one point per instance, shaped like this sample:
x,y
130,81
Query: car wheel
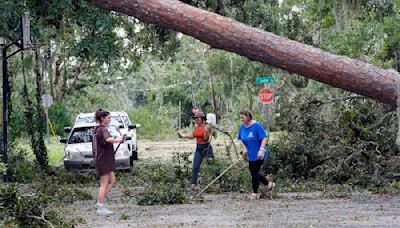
x,y
66,167
135,154
128,170
131,160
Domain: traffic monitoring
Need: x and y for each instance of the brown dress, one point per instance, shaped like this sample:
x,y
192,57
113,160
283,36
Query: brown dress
x,y
104,158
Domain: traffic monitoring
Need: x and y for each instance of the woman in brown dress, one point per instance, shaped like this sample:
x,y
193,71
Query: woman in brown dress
x,y
103,147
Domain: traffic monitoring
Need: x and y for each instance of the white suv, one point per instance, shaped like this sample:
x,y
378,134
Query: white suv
x,y
122,121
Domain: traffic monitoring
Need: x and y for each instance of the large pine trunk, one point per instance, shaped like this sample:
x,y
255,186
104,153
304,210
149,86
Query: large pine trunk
x,y
255,44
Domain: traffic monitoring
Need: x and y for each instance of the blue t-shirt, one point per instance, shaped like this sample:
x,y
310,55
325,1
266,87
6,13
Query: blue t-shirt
x,y
252,137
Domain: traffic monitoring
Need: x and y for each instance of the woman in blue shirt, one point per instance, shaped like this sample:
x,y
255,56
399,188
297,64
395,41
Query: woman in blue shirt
x,y
254,141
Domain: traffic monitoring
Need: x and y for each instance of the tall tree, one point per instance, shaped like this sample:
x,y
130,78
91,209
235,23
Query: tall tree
x,y
255,44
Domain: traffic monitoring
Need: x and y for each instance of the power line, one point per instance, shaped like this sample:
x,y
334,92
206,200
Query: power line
x,y
162,87
183,63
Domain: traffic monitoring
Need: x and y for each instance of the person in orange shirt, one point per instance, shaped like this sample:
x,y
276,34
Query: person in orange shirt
x,y
202,133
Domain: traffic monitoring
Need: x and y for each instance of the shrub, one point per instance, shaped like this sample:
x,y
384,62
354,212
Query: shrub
x,y
163,194
27,210
236,179
338,142
3,167
60,117
165,185
21,165
66,187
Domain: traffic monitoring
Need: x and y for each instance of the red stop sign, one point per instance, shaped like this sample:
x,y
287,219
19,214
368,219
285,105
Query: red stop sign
x,y
266,96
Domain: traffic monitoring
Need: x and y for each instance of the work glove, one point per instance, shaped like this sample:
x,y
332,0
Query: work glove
x,y
245,153
260,154
180,135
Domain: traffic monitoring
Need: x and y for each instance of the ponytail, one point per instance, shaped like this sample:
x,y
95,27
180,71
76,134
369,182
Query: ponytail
x,y
100,113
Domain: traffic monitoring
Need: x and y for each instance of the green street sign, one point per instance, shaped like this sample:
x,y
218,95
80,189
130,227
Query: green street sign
x,y
265,80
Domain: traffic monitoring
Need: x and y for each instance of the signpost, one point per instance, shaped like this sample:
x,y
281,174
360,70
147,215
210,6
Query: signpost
x,y
47,101
266,96
26,34
265,80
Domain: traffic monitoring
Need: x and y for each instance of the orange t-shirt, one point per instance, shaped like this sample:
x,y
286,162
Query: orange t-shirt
x,y
199,134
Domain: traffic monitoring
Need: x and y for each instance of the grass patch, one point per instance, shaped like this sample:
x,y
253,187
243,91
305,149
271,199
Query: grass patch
x,y
55,151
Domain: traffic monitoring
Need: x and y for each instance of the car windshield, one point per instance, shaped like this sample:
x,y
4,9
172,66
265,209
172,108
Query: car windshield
x,y
114,132
126,120
81,135
85,120
115,120
84,134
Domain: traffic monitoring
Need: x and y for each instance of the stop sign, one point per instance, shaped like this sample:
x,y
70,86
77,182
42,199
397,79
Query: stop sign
x,y
266,96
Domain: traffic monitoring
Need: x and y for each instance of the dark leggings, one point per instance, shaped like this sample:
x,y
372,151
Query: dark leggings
x,y
202,150
256,178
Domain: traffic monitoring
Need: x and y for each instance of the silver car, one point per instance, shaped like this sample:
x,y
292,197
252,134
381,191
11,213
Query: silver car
x,y
78,154
120,119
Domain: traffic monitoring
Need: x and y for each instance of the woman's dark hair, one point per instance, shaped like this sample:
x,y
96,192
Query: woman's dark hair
x,y
247,113
100,113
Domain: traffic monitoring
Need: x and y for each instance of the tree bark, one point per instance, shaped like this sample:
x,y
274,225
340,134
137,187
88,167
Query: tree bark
x,y
39,147
255,44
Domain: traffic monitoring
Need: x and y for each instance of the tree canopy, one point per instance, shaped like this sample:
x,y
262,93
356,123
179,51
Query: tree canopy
x,y
86,58
255,44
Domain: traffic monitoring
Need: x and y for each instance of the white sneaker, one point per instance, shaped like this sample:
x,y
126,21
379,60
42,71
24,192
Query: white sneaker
x,y
103,211
99,205
271,185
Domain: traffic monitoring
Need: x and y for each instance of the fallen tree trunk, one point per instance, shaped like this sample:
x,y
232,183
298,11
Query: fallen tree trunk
x,y
255,44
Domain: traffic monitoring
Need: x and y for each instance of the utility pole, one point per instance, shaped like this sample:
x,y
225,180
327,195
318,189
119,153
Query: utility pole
x,y
22,43
180,115
193,97
214,102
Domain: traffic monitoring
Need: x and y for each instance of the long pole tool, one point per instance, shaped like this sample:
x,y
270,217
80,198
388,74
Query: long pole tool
x,y
220,175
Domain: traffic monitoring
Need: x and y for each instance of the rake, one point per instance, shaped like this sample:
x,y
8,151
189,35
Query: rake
x,y
220,175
